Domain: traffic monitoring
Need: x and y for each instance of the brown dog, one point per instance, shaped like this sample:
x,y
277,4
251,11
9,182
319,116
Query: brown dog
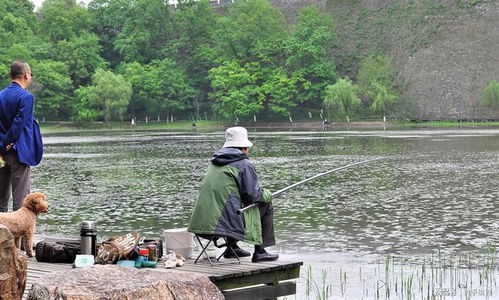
x,y
22,222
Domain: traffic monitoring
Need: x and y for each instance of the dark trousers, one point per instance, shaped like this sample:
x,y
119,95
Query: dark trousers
x,y
15,178
267,220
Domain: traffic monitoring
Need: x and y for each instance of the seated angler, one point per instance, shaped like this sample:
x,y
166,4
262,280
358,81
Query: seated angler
x,y
231,183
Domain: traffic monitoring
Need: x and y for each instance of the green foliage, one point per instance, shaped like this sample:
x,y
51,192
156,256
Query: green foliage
x,y
63,19
252,31
159,88
383,97
490,94
4,79
52,87
235,92
16,35
375,68
88,106
107,18
107,97
20,9
81,53
237,60
279,92
307,50
192,48
342,94
240,92
17,7
14,52
468,3
13,29
146,29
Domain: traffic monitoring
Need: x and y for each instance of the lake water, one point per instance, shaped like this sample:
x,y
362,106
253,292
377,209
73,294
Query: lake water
x,y
433,198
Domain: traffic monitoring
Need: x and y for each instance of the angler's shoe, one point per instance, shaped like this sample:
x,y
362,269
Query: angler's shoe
x,y
264,256
240,253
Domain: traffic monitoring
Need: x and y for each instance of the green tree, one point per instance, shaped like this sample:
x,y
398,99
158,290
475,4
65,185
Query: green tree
x,y
192,48
235,93
16,37
145,89
13,30
379,69
20,9
15,51
107,97
107,20
176,91
308,51
4,79
81,53
17,7
250,43
52,87
253,31
145,31
342,94
490,94
88,106
279,92
383,97
159,88
63,19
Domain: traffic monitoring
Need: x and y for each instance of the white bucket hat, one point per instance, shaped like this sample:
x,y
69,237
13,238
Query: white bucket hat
x,y
237,137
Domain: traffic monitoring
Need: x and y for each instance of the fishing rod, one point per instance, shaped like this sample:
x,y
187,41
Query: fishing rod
x,y
276,193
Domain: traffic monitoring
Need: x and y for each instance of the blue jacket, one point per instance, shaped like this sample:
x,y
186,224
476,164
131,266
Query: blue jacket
x,y
18,125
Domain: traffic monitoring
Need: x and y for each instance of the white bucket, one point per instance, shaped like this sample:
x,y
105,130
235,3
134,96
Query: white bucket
x,y
179,240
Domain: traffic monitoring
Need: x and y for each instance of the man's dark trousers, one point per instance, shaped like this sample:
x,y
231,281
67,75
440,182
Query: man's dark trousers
x,y
19,175
267,220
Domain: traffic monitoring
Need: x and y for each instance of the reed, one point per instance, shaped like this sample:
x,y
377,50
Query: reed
x,y
436,276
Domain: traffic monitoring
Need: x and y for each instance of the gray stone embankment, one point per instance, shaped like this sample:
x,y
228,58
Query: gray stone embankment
x,y
13,267
113,282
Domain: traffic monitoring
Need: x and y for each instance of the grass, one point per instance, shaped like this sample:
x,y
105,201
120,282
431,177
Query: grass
x,y
437,277
57,127
441,124
54,127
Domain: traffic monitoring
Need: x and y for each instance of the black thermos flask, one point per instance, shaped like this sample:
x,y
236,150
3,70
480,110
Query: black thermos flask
x,y
88,236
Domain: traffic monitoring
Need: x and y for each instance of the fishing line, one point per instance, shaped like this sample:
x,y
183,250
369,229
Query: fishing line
x,y
276,193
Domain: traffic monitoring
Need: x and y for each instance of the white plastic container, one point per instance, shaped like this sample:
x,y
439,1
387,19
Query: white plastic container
x,y
179,240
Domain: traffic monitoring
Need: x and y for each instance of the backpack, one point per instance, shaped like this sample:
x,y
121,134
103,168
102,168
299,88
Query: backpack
x,y
57,251
116,248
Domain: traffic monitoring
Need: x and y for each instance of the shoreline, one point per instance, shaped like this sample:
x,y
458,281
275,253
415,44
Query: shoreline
x,y
59,127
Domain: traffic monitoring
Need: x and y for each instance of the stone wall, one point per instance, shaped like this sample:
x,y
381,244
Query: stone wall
x,y
13,267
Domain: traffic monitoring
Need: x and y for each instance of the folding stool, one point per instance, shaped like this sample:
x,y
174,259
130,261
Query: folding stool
x,y
214,239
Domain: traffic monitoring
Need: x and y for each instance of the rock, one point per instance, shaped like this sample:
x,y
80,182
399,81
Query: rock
x,y
13,267
113,282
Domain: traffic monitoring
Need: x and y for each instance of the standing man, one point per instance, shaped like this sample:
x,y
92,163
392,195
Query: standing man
x,y
231,183
20,139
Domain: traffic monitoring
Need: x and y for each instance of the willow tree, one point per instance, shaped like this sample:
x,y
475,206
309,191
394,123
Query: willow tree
x,y
108,97
382,98
342,94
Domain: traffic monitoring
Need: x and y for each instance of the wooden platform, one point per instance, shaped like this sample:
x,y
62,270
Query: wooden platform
x,y
247,280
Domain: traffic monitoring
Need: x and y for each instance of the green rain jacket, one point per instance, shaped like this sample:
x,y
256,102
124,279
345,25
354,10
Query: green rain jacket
x,y
230,183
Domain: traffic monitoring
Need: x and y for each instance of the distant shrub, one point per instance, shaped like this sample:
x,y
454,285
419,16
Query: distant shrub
x,y
490,94
468,3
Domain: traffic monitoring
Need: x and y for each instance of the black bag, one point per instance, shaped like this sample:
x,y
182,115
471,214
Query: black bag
x,y
57,251
158,243
143,243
